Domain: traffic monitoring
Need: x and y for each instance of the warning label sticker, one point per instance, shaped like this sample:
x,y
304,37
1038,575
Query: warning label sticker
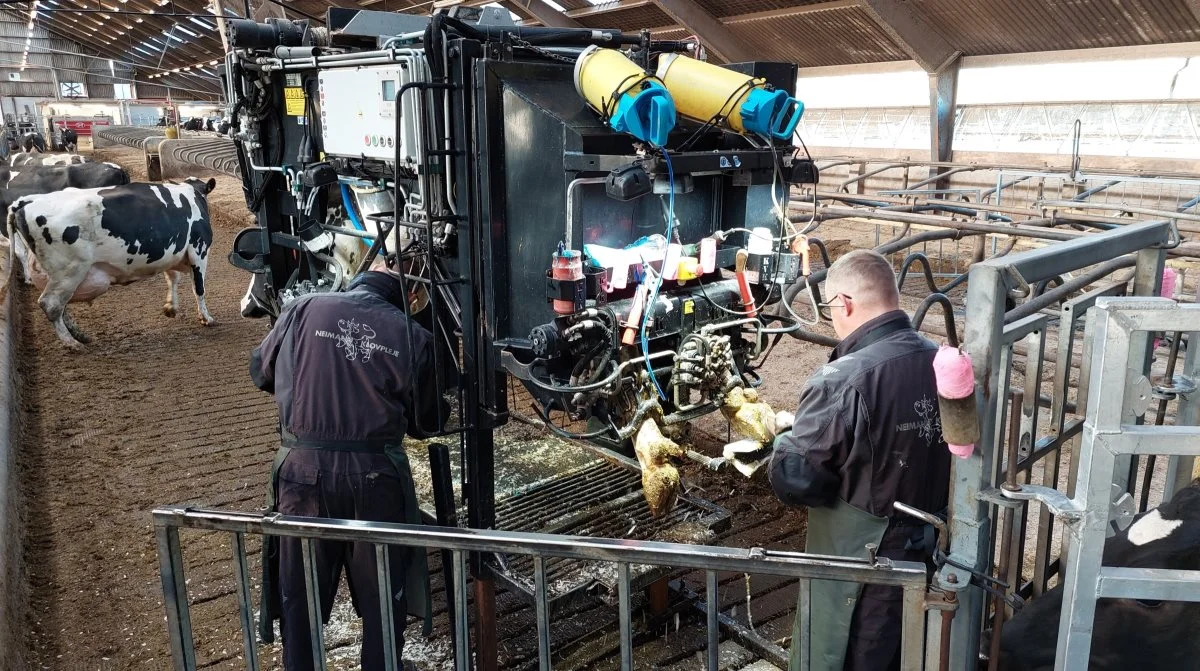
x,y
293,99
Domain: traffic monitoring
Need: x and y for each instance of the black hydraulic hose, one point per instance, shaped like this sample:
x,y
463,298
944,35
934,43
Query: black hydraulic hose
x,y
541,35
567,434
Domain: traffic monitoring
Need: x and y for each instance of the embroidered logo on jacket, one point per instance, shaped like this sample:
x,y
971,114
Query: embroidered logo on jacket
x,y
928,425
357,341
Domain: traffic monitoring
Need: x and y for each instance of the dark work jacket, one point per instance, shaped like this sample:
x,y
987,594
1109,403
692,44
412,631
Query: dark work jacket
x,y
867,430
349,372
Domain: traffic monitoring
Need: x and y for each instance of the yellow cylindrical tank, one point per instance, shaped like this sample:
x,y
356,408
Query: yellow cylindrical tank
x,y
628,98
171,133
704,92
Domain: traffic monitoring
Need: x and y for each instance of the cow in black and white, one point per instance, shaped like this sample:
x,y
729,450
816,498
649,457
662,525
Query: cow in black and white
x,y
86,240
22,159
31,180
31,141
1127,633
70,140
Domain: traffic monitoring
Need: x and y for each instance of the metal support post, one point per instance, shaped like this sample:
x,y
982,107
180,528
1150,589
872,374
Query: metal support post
x,y
175,599
485,624
970,532
1181,470
943,94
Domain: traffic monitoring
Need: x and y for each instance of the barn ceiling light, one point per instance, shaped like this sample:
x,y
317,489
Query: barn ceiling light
x,y
138,20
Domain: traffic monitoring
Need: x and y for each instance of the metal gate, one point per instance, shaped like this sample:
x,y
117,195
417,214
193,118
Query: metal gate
x,y
460,542
1010,446
1111,433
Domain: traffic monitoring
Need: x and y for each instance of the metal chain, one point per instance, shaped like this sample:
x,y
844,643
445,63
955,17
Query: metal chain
x,y
522,44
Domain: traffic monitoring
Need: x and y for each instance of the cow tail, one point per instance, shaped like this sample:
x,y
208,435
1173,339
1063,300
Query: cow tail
x,y
16,210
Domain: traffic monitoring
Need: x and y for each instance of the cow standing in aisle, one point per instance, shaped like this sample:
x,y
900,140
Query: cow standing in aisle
x,y
1126,633
86,240
29,180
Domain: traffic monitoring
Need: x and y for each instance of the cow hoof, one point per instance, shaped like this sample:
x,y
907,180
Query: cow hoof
x,y
169,311
76,347
208,322
83,338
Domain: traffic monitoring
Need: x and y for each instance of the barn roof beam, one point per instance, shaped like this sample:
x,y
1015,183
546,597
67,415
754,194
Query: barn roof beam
x,y
714,34
543,12
912,33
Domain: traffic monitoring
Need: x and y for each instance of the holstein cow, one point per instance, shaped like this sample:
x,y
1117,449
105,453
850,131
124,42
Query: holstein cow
x,y
1128,633
70,140
86,240
23,159
31,141
31,180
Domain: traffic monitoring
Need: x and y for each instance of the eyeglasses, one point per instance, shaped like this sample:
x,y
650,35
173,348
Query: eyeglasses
x,y
831,304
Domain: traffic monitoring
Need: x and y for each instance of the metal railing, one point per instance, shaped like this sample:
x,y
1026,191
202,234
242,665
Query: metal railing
x,y
1120,329
908,576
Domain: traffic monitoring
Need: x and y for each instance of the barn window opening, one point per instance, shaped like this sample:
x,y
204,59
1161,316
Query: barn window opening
x,y
72,89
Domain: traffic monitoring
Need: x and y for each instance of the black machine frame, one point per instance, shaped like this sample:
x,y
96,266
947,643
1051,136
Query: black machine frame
x,y
464,281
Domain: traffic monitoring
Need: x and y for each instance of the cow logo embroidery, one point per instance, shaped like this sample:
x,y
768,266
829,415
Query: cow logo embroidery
x,y
929,424
356,340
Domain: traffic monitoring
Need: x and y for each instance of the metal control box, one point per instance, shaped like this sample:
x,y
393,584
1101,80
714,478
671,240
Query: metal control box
x,y
358,111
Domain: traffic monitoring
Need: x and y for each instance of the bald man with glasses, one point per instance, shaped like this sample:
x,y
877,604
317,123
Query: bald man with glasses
x,y
866,435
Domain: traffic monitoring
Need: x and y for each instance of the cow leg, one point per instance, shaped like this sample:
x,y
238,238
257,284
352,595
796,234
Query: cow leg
x,y
198,286
170,307
53,302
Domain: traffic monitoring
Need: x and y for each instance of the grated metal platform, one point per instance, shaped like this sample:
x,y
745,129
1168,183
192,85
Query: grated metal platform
x,y
604,500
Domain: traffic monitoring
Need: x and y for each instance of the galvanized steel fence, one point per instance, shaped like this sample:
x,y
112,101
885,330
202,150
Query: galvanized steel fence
x,y
909,576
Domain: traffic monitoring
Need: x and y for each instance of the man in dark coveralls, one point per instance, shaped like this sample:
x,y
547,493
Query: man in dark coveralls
x,y
351,376
867,434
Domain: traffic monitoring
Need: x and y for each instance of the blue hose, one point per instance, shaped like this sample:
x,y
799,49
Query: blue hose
x,y
348,203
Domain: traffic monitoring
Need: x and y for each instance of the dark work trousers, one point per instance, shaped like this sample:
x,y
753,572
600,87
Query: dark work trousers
x,y
875,628
340,485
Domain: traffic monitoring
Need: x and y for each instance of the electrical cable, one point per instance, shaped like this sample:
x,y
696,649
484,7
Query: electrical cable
x,y
659,279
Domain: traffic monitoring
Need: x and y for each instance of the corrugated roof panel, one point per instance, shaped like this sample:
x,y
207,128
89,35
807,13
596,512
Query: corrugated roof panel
x,y
1015,26
736,7
820,38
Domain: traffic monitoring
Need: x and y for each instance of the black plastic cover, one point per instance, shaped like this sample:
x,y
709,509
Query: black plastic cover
x,y
804,171
628,182
318,175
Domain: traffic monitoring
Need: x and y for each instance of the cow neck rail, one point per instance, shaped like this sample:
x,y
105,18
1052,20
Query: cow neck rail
x,y
909,576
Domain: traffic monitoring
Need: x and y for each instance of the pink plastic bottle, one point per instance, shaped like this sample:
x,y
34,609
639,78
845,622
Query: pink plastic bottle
x,y
708,255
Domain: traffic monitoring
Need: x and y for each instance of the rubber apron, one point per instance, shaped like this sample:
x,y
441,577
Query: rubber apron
x,y
416,579
844,531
